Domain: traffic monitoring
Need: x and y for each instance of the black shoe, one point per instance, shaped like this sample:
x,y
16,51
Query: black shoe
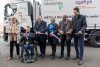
x,y
52,58
80,62
42,56
68,58
75,58
22,60
60,57
51,54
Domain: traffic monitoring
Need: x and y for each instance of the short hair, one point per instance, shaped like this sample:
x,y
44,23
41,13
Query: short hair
x,y
40,16
52,18
77,9
65,16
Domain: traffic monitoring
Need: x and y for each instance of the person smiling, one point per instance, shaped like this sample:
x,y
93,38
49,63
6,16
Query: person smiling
x,y
14,37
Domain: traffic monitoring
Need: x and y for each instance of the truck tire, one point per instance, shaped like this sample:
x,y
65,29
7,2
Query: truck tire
x,y
92,31
95,39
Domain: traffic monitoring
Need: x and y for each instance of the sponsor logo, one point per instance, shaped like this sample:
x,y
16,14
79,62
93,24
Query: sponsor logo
x,y
81,2
54,3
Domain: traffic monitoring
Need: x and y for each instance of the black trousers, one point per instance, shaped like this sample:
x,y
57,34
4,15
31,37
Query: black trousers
x,y
68,45
12,43
42,47
53,41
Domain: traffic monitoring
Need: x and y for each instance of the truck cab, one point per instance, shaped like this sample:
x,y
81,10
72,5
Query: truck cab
x,y
23,11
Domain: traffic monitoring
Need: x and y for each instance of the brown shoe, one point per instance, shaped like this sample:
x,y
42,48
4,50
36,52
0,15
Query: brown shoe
x,y
61,57
75,58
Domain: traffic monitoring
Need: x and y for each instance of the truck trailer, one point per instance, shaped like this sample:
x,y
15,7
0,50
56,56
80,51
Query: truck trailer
x,y
27,13
89,8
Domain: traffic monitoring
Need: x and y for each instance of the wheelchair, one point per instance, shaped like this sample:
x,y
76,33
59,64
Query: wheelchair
x,y
24,57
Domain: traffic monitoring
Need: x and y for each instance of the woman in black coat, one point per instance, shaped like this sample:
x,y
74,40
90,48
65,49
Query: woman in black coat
x,y
53,30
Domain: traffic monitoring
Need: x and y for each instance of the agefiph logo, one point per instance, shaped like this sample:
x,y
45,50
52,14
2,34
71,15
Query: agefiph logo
x,y
81,2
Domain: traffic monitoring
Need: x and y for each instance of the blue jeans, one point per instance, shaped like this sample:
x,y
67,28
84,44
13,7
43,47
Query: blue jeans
x,y
27,47
79,46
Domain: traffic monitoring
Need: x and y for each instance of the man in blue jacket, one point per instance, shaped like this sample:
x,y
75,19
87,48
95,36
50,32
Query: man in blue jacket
x,y
79,26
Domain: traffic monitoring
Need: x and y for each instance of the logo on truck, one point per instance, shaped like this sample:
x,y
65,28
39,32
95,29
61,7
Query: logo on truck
x,y
54,3
81,2
85,4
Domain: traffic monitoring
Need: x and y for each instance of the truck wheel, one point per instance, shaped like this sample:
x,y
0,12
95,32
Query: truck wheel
x,y
95,39
92,33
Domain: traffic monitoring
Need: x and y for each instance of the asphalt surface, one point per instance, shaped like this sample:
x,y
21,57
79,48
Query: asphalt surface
x,y
91,58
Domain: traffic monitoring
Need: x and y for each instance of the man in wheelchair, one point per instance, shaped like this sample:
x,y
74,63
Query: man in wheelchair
x,y
28,46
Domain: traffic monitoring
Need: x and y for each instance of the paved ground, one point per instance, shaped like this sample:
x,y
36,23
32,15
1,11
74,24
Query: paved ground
x,y
91,58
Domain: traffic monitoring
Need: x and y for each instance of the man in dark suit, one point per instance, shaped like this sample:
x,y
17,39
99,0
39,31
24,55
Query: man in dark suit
x,y
79,26
40,29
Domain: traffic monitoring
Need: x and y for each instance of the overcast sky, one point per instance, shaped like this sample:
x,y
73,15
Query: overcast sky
x,y
2,4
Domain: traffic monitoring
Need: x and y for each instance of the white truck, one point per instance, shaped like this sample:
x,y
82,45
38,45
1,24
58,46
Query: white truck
x,y
89,8
24,11
57,8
